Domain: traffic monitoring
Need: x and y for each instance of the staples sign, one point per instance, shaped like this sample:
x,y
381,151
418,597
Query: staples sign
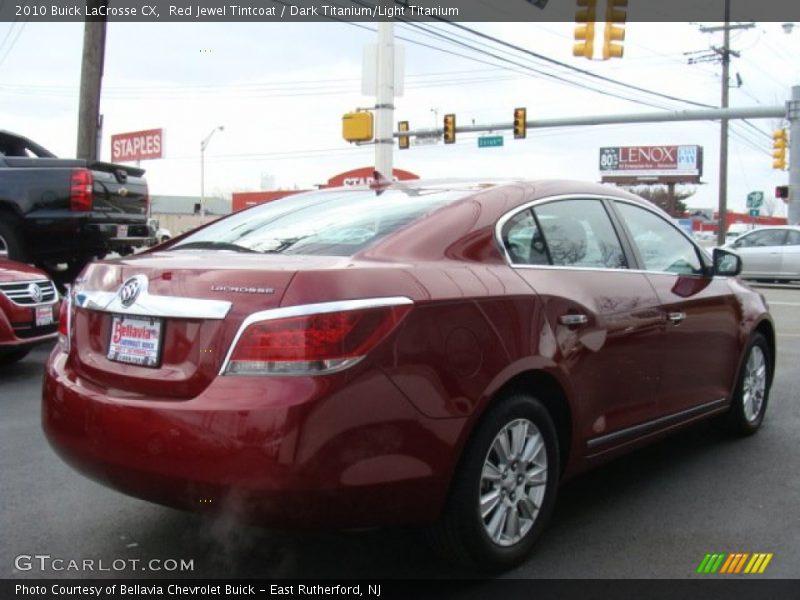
x,y
137,145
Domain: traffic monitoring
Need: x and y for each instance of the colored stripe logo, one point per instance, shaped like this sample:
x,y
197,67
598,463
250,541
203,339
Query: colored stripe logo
x,y
735,563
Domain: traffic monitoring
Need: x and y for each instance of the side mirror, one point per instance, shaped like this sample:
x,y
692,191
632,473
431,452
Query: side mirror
x,y
726,263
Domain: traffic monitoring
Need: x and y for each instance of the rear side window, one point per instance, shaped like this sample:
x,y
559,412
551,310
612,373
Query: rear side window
x,y
579,233
523,240
793,238
321,223
765,237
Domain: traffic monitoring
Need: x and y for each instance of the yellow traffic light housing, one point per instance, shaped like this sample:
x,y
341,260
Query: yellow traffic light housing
x,y
779,144
584,41
585,17
615,29
520,123
358,126
403,141
450,129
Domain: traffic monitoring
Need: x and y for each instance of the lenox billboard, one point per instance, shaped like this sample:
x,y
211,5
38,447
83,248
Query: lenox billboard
x,y
651,160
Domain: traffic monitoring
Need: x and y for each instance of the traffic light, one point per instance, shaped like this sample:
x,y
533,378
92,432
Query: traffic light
x,y
782,191
585,17
520,125
403,141
779,143
450,129
357,126
615,28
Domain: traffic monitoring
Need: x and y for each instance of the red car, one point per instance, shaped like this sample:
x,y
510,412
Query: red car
x,y
28,310
422,353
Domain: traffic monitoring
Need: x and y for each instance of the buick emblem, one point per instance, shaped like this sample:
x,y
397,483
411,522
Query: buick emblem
x,y
130,290
35,293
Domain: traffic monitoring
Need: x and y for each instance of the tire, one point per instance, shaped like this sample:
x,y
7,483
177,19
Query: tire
x,y
750,398
501,534
10,245
8,358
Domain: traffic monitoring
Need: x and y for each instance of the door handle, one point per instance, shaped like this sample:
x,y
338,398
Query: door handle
x,y
573,320
676,318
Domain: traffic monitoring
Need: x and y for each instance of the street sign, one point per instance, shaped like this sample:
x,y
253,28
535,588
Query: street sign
x,y
425,140
490,141
754,212
755,199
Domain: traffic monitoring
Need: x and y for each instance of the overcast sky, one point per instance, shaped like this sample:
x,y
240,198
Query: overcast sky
x,y
280,90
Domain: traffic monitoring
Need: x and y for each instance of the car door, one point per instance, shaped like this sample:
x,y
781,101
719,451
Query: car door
x,y
701,347
761,252
605,319
790,267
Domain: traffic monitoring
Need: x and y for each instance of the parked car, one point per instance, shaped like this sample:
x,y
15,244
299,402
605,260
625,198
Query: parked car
x,y
769,253
28,310
443,354
158,234
60,213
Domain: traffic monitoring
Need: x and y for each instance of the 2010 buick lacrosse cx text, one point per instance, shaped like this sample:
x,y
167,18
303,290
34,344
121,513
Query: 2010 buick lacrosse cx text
x,y
434,353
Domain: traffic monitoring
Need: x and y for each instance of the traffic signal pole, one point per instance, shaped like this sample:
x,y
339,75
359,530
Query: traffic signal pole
x,y
703,114
793,114
384,106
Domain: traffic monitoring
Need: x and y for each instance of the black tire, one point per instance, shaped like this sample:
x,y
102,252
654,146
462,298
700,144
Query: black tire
x,y
751,396
8,358
462,534
11,246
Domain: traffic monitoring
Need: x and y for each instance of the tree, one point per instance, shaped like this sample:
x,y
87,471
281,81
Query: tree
x,y
660,196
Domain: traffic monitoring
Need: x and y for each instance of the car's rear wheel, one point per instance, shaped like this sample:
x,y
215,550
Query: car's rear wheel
x,y
504,489
11,246
749,402
8,358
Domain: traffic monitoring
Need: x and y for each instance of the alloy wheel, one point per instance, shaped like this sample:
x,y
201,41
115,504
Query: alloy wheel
x,y
755,384
513,482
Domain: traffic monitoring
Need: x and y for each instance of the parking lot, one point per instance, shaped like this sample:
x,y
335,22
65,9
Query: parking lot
x,y
652,514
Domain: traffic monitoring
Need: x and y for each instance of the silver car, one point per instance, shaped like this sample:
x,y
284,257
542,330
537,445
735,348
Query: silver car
x,y
770,253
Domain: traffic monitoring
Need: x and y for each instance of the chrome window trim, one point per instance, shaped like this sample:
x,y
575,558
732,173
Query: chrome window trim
x,y
528,205
152,305
609,270
498,229
301,310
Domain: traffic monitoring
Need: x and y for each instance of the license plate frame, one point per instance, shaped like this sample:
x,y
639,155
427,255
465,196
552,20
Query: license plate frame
x,y
122,231
43,316
136,340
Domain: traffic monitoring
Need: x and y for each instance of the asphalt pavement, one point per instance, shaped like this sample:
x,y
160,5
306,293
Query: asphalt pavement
x,y
652,514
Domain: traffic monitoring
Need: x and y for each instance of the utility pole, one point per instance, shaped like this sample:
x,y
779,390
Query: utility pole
x,y
384,105
722,227
724,56
94,42
793,114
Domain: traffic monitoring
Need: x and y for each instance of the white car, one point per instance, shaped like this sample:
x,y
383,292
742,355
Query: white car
x,y
769,253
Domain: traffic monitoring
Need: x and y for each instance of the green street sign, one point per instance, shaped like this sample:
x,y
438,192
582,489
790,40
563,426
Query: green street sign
x,y
755,199
490,141
754,212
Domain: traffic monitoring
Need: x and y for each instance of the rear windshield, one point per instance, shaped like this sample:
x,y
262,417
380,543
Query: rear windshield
x,y
330,223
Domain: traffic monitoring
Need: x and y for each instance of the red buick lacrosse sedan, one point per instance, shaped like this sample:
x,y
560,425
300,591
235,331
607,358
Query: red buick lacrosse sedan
x,y
432,353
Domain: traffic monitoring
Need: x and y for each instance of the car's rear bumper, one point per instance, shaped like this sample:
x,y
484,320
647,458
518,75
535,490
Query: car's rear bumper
x,y
281,451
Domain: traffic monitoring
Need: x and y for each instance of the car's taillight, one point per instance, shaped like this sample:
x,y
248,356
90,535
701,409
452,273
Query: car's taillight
x,y
64,324
80,190
313,339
